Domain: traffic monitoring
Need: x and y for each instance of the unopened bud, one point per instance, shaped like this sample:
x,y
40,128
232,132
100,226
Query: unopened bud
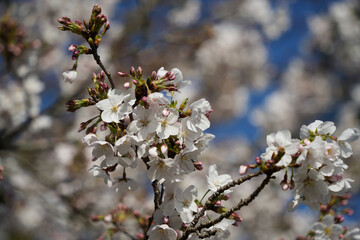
x,y
323,208
72,47
103,126
236,217
153,76
108,218
96,9
122,74
165,220
164,149
140,236
79,23
127,85
307,142
139,71
198,166
153,152
348,211
243,169
339,219
165,112
218,203
106,27
284,185
132,71
136,82
258,160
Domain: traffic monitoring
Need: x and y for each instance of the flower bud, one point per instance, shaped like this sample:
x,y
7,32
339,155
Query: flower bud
x,y
153,76
164,149
132,71
165,220
284,185
243,169
339,219
153,152
127,85
108,218
122,74
139,71
198,166
72,47
258,160
96,10
136,82
165,112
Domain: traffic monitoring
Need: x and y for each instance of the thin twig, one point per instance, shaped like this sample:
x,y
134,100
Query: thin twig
x,y
155,185
216,194
228,213
98,61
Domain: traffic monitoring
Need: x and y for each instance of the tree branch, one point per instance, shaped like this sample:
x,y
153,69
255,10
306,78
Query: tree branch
x,y
228,213
98,61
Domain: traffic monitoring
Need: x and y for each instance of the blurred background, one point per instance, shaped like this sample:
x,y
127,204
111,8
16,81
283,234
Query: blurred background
x,y
264,65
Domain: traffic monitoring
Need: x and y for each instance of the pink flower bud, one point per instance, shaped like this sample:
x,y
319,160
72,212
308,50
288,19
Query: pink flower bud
x,y
122,74
108,218
243,169
135,81
132,71
339,219
165,112
218,203
127,85
140,236
198,166
258,160
72,47
307,142
284,185
136,213
165,220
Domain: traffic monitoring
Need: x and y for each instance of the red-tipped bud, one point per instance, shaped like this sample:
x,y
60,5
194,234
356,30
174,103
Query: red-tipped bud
x,y
198,166
339,219
348,211
165,112
136,82
127,85
72,47
153,76
96,9
132,71
258,160
122,74
139,71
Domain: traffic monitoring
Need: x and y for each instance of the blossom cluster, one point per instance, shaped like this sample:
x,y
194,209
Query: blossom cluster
x,y
143,125
316,159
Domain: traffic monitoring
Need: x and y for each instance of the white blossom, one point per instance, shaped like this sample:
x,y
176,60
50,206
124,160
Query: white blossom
x,y
185,204
327,229
162,232
70,76
114,108
281,141
215,181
